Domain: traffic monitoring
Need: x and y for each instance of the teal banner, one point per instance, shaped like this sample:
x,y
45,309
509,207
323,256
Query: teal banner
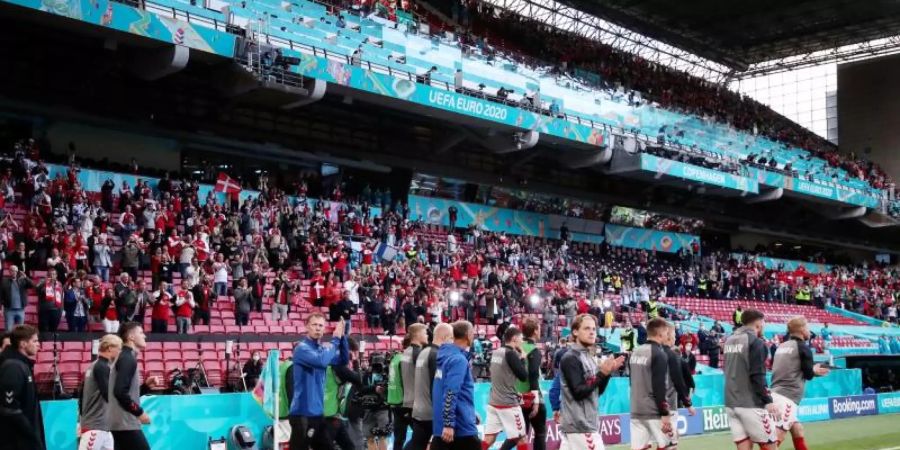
x,y
524,223
661,166
813,409
785,264
889,403
813,189
382,84
187,422
92,181
125,18
643,238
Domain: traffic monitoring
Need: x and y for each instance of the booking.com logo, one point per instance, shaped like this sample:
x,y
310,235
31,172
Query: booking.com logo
x,y
861,405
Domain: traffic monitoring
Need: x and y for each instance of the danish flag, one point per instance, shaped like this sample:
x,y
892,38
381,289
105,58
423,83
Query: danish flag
x,y
227,184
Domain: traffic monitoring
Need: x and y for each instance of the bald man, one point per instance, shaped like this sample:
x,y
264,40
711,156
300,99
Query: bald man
x,y
426,365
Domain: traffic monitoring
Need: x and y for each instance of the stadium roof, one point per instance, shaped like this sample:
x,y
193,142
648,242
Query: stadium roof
x,y
740,34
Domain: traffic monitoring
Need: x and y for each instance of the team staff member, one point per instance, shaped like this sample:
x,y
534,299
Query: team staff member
x,y
792,367
679,392
453,394
125,413
20,415
94,421
418,337
582,383
426,367
532,402
504,413
751,411
555,393
311,359
651,421
338,380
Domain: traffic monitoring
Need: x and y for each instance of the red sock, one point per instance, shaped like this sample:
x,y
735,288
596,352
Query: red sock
x,y
799,443
485,446
522,446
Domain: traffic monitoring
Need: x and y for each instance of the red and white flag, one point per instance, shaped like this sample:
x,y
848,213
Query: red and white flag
x,y
227,184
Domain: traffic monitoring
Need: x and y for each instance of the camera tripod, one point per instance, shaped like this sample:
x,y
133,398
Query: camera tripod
x,y
57,391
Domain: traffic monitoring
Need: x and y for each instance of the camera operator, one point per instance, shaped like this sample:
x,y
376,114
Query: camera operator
x,y
369,404
426,366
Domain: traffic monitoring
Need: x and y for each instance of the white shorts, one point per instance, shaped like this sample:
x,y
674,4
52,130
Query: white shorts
x,y
508,420
648,433
787,409
96,440
581,441
751,423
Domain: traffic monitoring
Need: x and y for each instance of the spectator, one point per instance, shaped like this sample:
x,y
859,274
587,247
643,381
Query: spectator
x,y
21,426
242,303
109,310
50,302
102,259
204,297
14,295
162,309
184,308
281,300
252,370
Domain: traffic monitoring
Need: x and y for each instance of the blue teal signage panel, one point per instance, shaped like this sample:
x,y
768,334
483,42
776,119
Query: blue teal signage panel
x,y
813,410
646,239
889,403
524,223
786,264
838,194
128,19
662,166
389,86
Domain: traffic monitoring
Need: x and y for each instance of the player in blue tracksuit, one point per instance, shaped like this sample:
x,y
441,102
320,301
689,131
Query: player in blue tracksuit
x,y
556,387
308,428
452,394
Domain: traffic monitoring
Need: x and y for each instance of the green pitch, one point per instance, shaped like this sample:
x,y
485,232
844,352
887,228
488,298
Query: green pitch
x,y
864,433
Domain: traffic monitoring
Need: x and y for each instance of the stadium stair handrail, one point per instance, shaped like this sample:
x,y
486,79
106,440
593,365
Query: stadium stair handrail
x,y
859,317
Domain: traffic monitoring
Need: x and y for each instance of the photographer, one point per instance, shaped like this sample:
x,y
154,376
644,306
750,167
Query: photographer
x,y
369,405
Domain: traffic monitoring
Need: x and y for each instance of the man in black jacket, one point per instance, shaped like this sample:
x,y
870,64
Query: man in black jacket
x,y
20,418
14,301
125,413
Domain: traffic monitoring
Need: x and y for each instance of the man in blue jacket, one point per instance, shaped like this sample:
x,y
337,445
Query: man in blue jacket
x,y
308,428
555,388
452,396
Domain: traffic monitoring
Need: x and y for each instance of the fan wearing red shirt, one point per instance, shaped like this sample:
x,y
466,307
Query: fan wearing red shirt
x,y
162,309
184,308
367,256
317,289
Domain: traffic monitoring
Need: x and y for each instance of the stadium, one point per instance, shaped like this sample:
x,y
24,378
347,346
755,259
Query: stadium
x,y
593,186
